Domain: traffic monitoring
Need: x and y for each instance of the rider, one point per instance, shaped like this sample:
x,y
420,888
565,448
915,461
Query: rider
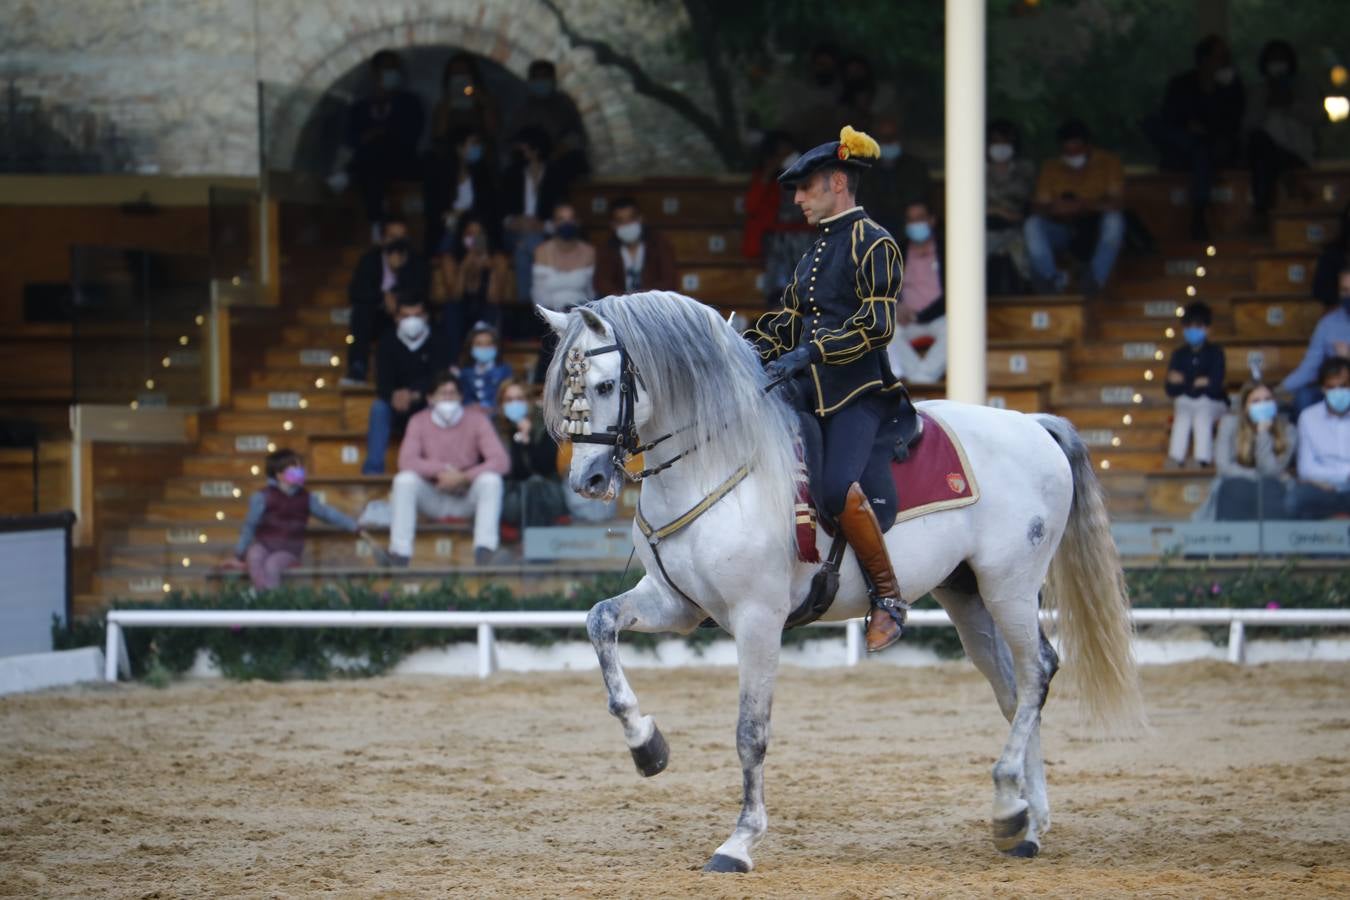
x,y
830,336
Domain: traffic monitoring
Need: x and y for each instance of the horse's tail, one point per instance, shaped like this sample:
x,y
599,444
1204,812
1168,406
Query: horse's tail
x,y
1086,585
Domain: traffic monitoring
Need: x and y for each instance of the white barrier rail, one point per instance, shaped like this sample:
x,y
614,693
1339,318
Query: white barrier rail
x,y
116,659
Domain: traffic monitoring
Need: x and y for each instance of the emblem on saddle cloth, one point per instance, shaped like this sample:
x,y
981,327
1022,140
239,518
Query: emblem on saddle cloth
x,y
956,483
576,408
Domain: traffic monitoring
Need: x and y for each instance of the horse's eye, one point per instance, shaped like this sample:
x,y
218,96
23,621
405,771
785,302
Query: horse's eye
x,y
605,388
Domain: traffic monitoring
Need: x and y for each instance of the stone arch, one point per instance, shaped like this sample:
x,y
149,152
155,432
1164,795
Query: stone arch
x,y
510,32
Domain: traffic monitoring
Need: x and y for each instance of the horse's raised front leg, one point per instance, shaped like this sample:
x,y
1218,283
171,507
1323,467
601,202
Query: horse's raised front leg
x,y
644,608
759,637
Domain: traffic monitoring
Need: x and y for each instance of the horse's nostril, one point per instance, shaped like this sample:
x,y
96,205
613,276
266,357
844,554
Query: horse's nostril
x,y
595,482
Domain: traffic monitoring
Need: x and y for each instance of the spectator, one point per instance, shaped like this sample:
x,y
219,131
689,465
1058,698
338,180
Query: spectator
x,y
1334,258
451,463
531,189
1323,486
1195,378
637,258
1200,127
379,274
920,316
407,369
897,180
383,129
564,275
1077,204
1282,119
464,105
1330,338
273,537
534,492
815,105
477,282
1008,183
774,231
483,372
463,184
1252,452
555,114
564,265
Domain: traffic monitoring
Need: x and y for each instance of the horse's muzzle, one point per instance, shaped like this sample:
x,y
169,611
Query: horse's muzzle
x,y
596,480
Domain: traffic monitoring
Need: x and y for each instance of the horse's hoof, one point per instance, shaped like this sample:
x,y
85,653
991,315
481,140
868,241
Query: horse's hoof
x,y
1024,850
652,756
1010,832
723,863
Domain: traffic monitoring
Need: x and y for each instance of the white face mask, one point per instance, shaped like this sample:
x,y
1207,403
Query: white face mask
x,y
1225,75
1000,153
630,233
447,413
412,330
1075,162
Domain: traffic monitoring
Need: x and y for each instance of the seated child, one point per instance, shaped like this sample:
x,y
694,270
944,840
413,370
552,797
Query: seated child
x,y
273,536
1195,378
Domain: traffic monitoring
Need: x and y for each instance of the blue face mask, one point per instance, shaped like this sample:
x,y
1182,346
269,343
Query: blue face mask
x,y
919,232
484,355
515,410
1194,334
540,87
1262,411
1338,399
474,153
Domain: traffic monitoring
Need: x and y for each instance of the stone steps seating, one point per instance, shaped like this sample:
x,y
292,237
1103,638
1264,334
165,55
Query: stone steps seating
x,y
1099,361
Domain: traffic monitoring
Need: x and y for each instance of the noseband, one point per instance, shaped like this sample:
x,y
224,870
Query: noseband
x,y
623,435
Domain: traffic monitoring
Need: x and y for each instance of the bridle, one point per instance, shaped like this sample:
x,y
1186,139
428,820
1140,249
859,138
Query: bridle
x,y
623,435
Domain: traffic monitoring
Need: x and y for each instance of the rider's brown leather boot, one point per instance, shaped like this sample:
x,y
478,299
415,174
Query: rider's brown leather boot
x,y
863,533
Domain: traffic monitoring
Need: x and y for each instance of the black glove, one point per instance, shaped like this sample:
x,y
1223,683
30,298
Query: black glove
x,y
789,364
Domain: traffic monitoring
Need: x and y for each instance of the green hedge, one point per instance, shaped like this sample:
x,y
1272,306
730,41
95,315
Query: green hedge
x,y
277,653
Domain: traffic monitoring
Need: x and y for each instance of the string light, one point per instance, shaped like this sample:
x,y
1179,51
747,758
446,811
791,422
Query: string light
x,y
149,384
1170,332
1127,419
286,426
333,361
1199,271
1211,250
220,515
1190,290
187,562
182,340
319,382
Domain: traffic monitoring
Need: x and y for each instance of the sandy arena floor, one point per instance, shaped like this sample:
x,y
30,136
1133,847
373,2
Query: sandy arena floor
x,y
521,786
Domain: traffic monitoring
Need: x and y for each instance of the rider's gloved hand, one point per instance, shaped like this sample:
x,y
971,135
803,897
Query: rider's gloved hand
x,y
789,364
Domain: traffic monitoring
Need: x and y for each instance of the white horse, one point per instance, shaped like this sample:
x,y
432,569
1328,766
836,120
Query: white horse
x,y
662,373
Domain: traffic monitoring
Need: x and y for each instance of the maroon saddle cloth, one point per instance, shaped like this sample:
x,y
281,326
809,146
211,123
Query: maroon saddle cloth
x,y
935,477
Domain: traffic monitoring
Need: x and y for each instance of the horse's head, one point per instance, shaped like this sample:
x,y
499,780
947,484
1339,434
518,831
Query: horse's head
x,y
604,424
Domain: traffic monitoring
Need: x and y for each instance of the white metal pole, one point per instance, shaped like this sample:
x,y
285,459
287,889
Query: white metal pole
x,y
963,269
1237,641
486,663
112,650
853,642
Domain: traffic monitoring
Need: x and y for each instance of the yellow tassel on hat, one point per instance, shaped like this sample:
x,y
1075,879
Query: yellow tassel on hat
x,y
857,143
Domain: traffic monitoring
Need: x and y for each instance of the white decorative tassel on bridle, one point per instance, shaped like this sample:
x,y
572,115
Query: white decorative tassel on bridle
x,y
576,408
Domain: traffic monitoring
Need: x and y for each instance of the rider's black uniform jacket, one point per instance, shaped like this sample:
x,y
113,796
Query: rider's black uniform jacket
x,y
841,303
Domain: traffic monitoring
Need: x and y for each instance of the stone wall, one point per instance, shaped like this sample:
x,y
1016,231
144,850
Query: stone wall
x,y
174,81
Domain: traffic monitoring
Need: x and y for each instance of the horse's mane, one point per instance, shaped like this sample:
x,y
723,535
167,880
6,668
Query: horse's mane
x,y
699,375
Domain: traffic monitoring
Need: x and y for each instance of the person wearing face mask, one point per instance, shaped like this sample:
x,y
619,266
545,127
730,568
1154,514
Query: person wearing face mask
x,y
465,104
380,272
774,232
1077,205
563,277
1252,453
450,464
1323,486
1008,182
406,368
531,189
533,491
1195,381
899,178
383,128
549,109
478,281
1282,125
463,185
272,538
483,371
1331,338
815,103
918,351
636,258
1199,129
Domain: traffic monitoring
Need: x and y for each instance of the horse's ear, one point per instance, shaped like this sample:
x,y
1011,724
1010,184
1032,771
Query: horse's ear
x,y
556,320
593,322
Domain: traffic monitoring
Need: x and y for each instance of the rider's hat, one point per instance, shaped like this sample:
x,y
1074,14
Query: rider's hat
x,y
854,149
